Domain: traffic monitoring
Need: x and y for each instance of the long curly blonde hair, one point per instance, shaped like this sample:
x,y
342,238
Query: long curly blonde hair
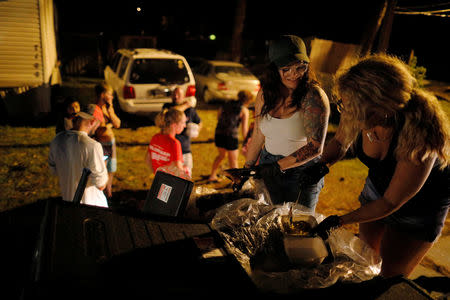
x,y
381,90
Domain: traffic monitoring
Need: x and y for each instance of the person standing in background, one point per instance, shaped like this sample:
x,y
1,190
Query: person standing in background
x,y
164,149
229,116
193,125
73,150
70,109
104,134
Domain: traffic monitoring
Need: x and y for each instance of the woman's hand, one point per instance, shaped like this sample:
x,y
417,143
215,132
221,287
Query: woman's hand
x,y
324,228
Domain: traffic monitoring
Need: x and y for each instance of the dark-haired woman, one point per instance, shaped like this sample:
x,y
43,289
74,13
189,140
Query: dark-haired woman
x,y
291,120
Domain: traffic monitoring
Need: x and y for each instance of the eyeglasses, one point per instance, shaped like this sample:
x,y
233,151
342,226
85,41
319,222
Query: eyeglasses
x,y
340,106
295,70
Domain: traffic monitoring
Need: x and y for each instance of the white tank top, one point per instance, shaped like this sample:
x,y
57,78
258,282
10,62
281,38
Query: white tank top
x,y
283,136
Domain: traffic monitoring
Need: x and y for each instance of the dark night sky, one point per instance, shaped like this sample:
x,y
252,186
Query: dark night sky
x,y
344,21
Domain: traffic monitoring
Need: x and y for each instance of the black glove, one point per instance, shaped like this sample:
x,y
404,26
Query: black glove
x,y
324,228
313,174
269,171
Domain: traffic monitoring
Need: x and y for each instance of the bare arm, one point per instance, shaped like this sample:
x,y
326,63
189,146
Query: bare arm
x,y
257,140
183,106
112,115
336,148
179,164
316,111
148,161
407,180
244,121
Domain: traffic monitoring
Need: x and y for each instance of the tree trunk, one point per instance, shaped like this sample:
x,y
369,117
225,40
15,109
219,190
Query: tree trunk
x,y
373,27
386,29
236,39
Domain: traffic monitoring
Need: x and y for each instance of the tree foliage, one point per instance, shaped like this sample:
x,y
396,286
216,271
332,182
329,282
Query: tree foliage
x,y
418,71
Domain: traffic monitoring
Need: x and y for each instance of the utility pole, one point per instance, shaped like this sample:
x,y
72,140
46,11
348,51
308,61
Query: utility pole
x,y
386,29
238,28
373,27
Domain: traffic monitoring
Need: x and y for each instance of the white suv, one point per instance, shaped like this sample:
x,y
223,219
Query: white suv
x,y
143,79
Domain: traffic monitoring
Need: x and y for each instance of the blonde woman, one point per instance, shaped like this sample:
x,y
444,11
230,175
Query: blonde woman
x,y
104,111
402,135
164,149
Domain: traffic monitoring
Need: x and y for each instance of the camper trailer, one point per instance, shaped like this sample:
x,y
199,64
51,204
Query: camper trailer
x,y
28,57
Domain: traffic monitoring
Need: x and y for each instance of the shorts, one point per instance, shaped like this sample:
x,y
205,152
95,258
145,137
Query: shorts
x,y
421,223
109,149
111,164
227,142
288,188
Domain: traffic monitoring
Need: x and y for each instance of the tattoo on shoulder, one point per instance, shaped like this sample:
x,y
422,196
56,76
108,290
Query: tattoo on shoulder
x,y
315,118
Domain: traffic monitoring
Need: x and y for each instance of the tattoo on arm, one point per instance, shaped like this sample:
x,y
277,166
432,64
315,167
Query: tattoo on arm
x,y
305,152
315,120
315,115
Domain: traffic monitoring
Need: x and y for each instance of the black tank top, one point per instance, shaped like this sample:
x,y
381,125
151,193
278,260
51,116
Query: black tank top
x,y
435,189
228,123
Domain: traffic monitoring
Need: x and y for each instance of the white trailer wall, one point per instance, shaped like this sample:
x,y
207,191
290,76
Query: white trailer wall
x,y
28,54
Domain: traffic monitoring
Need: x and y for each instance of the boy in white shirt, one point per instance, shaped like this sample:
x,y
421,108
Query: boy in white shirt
x,y
73,150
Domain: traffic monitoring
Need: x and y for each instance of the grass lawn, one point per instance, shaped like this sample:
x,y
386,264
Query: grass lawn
x,y
25,176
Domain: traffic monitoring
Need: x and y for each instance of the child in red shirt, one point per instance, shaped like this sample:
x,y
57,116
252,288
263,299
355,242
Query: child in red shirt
x,y
164,149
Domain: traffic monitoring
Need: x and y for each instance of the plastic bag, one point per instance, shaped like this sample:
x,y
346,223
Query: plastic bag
x,y
192,130
252,232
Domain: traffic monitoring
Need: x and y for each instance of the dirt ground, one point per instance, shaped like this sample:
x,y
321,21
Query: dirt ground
x,y
435,265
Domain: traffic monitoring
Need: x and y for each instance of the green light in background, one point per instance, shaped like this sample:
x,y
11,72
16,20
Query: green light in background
x,y
212,37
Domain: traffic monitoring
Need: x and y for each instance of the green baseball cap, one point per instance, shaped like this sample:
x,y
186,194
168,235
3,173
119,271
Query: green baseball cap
x,y
287,49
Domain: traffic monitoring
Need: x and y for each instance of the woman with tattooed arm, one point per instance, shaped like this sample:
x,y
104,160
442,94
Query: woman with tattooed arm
x,y
291,120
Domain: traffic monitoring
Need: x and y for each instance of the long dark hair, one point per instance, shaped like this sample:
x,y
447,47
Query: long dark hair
x,y
271,87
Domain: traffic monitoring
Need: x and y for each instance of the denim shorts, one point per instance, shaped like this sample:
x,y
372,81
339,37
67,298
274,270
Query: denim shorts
x,y
111,164
109,149
288,189
422,223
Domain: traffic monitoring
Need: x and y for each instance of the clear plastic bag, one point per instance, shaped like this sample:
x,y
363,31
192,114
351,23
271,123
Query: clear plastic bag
x,y
253,233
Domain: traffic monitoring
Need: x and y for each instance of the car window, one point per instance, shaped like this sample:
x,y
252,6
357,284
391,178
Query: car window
x,y
203,69
123,66
199,68
208,69
163,71
115,61
232,70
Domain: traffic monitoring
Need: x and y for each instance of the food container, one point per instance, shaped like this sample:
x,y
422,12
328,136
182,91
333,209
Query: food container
x,y
301,248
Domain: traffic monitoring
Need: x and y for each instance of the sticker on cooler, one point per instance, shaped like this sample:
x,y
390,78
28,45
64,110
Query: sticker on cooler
x,y
164,193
